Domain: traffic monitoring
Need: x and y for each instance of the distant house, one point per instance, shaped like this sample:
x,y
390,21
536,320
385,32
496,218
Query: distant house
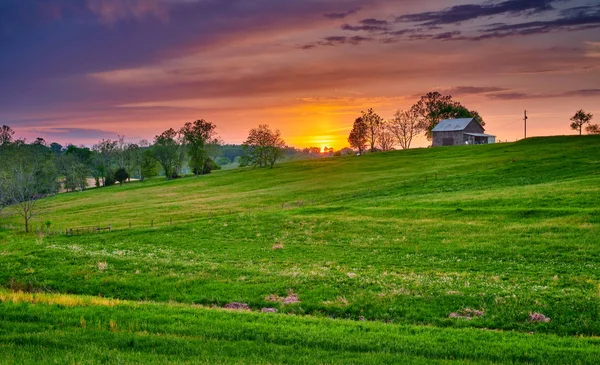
x,y
452,132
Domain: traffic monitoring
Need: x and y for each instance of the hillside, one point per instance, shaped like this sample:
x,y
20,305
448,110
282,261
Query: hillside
x,y
421,249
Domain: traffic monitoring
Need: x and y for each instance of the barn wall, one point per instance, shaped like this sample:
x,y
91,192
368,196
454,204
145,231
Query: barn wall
x,y
457,138
474,127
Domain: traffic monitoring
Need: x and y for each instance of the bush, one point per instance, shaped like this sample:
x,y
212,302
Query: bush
x,y
209,166
121,175
110,180
222,161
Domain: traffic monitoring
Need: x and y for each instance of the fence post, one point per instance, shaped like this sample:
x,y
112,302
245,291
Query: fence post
x,y
110,228
152,223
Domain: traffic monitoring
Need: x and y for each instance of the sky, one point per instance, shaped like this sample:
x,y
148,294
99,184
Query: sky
x,y
77,71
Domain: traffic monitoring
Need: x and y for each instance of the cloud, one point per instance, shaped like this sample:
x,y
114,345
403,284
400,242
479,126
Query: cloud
x,y
366,28
368,25
472,90
341,15
72,133
575,21
338,41
524,96
462,13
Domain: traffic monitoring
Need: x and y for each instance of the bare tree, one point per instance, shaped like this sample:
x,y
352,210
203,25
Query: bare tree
x,y
405,126
580,119
31,175
373,122
385,137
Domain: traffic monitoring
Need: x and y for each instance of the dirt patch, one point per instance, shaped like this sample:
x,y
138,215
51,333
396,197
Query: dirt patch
x,y
237,306
467,313
538,317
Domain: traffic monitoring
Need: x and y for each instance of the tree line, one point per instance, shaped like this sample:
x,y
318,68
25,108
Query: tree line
x,y
31,171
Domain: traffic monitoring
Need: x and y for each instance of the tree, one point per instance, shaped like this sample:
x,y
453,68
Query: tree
x,y
121,175
579,119
6,135
593,129
359,135
198,136
74,172
434,107
263,147
373,122
385,138
56,148
167,152
105,150
148,166
222,161
405,126
29,176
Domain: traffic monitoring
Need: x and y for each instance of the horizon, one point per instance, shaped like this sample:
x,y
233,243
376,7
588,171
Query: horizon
x,y
77,72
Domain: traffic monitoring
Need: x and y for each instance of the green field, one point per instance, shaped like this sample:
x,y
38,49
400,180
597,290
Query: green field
x,y
386,255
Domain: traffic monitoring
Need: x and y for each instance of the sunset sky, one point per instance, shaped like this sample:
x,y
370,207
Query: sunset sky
x,y
81,70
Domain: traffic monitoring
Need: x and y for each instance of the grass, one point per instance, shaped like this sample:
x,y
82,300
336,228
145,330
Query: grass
x,y
401,240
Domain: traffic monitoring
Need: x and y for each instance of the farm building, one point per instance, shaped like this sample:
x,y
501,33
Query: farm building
x,y
452,132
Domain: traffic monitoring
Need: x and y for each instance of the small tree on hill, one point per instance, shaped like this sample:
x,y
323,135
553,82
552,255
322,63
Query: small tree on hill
x,y
405,126
263,147
579,120
373,122
593,129
29,176
385,138
167,152
198,136
358,137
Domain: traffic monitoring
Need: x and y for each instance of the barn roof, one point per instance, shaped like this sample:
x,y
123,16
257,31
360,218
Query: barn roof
x,y
449,125
479,135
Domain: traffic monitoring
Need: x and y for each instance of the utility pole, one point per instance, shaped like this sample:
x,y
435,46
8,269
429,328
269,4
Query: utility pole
x,y
525,120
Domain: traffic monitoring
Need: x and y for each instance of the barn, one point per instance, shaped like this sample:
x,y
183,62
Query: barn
x,y
452,132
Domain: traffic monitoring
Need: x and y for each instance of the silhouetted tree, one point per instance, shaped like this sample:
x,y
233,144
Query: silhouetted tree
x,y
385,138
580,119
359,135
263,147
405,126
593,129
6,135
434,107
373,122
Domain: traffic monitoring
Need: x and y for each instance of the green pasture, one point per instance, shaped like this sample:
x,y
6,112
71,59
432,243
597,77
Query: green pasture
x,y
389,255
